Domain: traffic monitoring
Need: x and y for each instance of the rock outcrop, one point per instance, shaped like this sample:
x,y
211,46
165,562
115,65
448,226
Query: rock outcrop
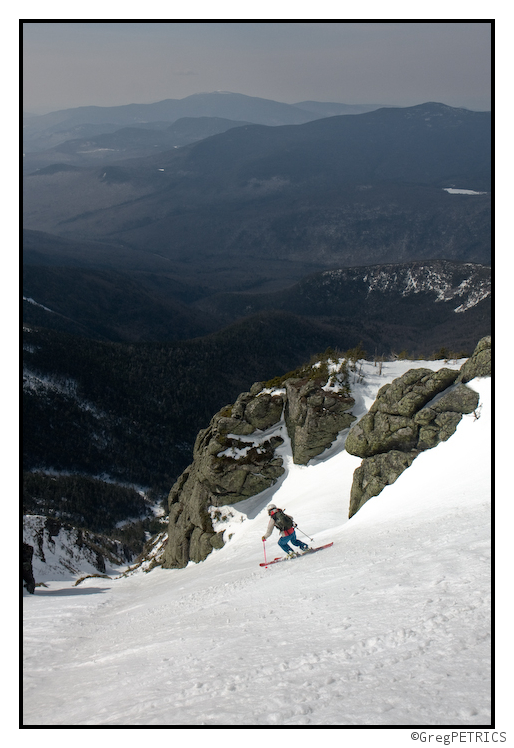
x,y
389,423
415,412
235,457
226,469
375,473
314,417
479,364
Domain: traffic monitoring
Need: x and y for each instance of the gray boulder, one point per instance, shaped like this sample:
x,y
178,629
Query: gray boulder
x,y
415,412
375,473
389,423
264,411
438,421
314,417
479,364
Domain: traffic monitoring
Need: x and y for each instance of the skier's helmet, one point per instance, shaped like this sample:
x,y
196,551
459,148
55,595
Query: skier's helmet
x,y
271,507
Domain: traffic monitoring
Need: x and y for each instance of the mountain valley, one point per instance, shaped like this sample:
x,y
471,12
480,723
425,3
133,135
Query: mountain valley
x,y
340,191
224,241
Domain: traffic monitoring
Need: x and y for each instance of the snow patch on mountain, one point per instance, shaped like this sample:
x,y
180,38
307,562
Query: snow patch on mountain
x,y
35,303
38,383
456,191
65,552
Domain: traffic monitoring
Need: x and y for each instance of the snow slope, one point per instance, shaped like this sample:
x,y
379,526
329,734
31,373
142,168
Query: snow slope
x,y
69,553
390,626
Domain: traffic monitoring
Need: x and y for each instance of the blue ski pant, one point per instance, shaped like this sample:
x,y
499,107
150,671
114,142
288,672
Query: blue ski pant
x,y
286,539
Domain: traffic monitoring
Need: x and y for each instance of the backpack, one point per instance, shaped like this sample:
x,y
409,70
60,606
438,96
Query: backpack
x,y
281,520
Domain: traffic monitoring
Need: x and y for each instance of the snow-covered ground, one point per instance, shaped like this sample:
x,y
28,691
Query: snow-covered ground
x,y
456,191
389,627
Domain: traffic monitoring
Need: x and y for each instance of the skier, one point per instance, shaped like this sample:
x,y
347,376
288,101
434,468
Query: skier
x,y
285,525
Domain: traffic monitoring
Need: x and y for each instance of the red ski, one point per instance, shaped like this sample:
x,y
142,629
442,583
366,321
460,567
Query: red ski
x,y
290,558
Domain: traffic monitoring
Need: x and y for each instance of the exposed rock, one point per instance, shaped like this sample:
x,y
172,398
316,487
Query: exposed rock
x,y
415,412
479,364
251,411
389,423
375,473
314,417
26,571
227,468
438,421
263,411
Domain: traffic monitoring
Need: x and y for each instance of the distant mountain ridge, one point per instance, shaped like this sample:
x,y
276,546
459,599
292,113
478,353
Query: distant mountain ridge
x,y
128,142
364,293
340,191
39,130
333,109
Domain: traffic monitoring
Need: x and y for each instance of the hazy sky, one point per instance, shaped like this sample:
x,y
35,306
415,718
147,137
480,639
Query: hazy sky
x,y
400,63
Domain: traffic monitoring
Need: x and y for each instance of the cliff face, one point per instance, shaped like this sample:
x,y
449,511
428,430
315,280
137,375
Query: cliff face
x,y
234,457
53,549
415,412
226,469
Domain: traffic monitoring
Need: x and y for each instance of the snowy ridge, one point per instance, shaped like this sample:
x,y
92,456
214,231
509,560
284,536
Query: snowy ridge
x,y
424,279
390,626
438,278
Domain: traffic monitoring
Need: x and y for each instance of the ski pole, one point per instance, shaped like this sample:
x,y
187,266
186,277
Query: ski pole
x,y
264,549
304,533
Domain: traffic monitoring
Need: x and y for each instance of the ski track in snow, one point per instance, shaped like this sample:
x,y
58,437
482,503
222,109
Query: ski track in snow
x,y
390,626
